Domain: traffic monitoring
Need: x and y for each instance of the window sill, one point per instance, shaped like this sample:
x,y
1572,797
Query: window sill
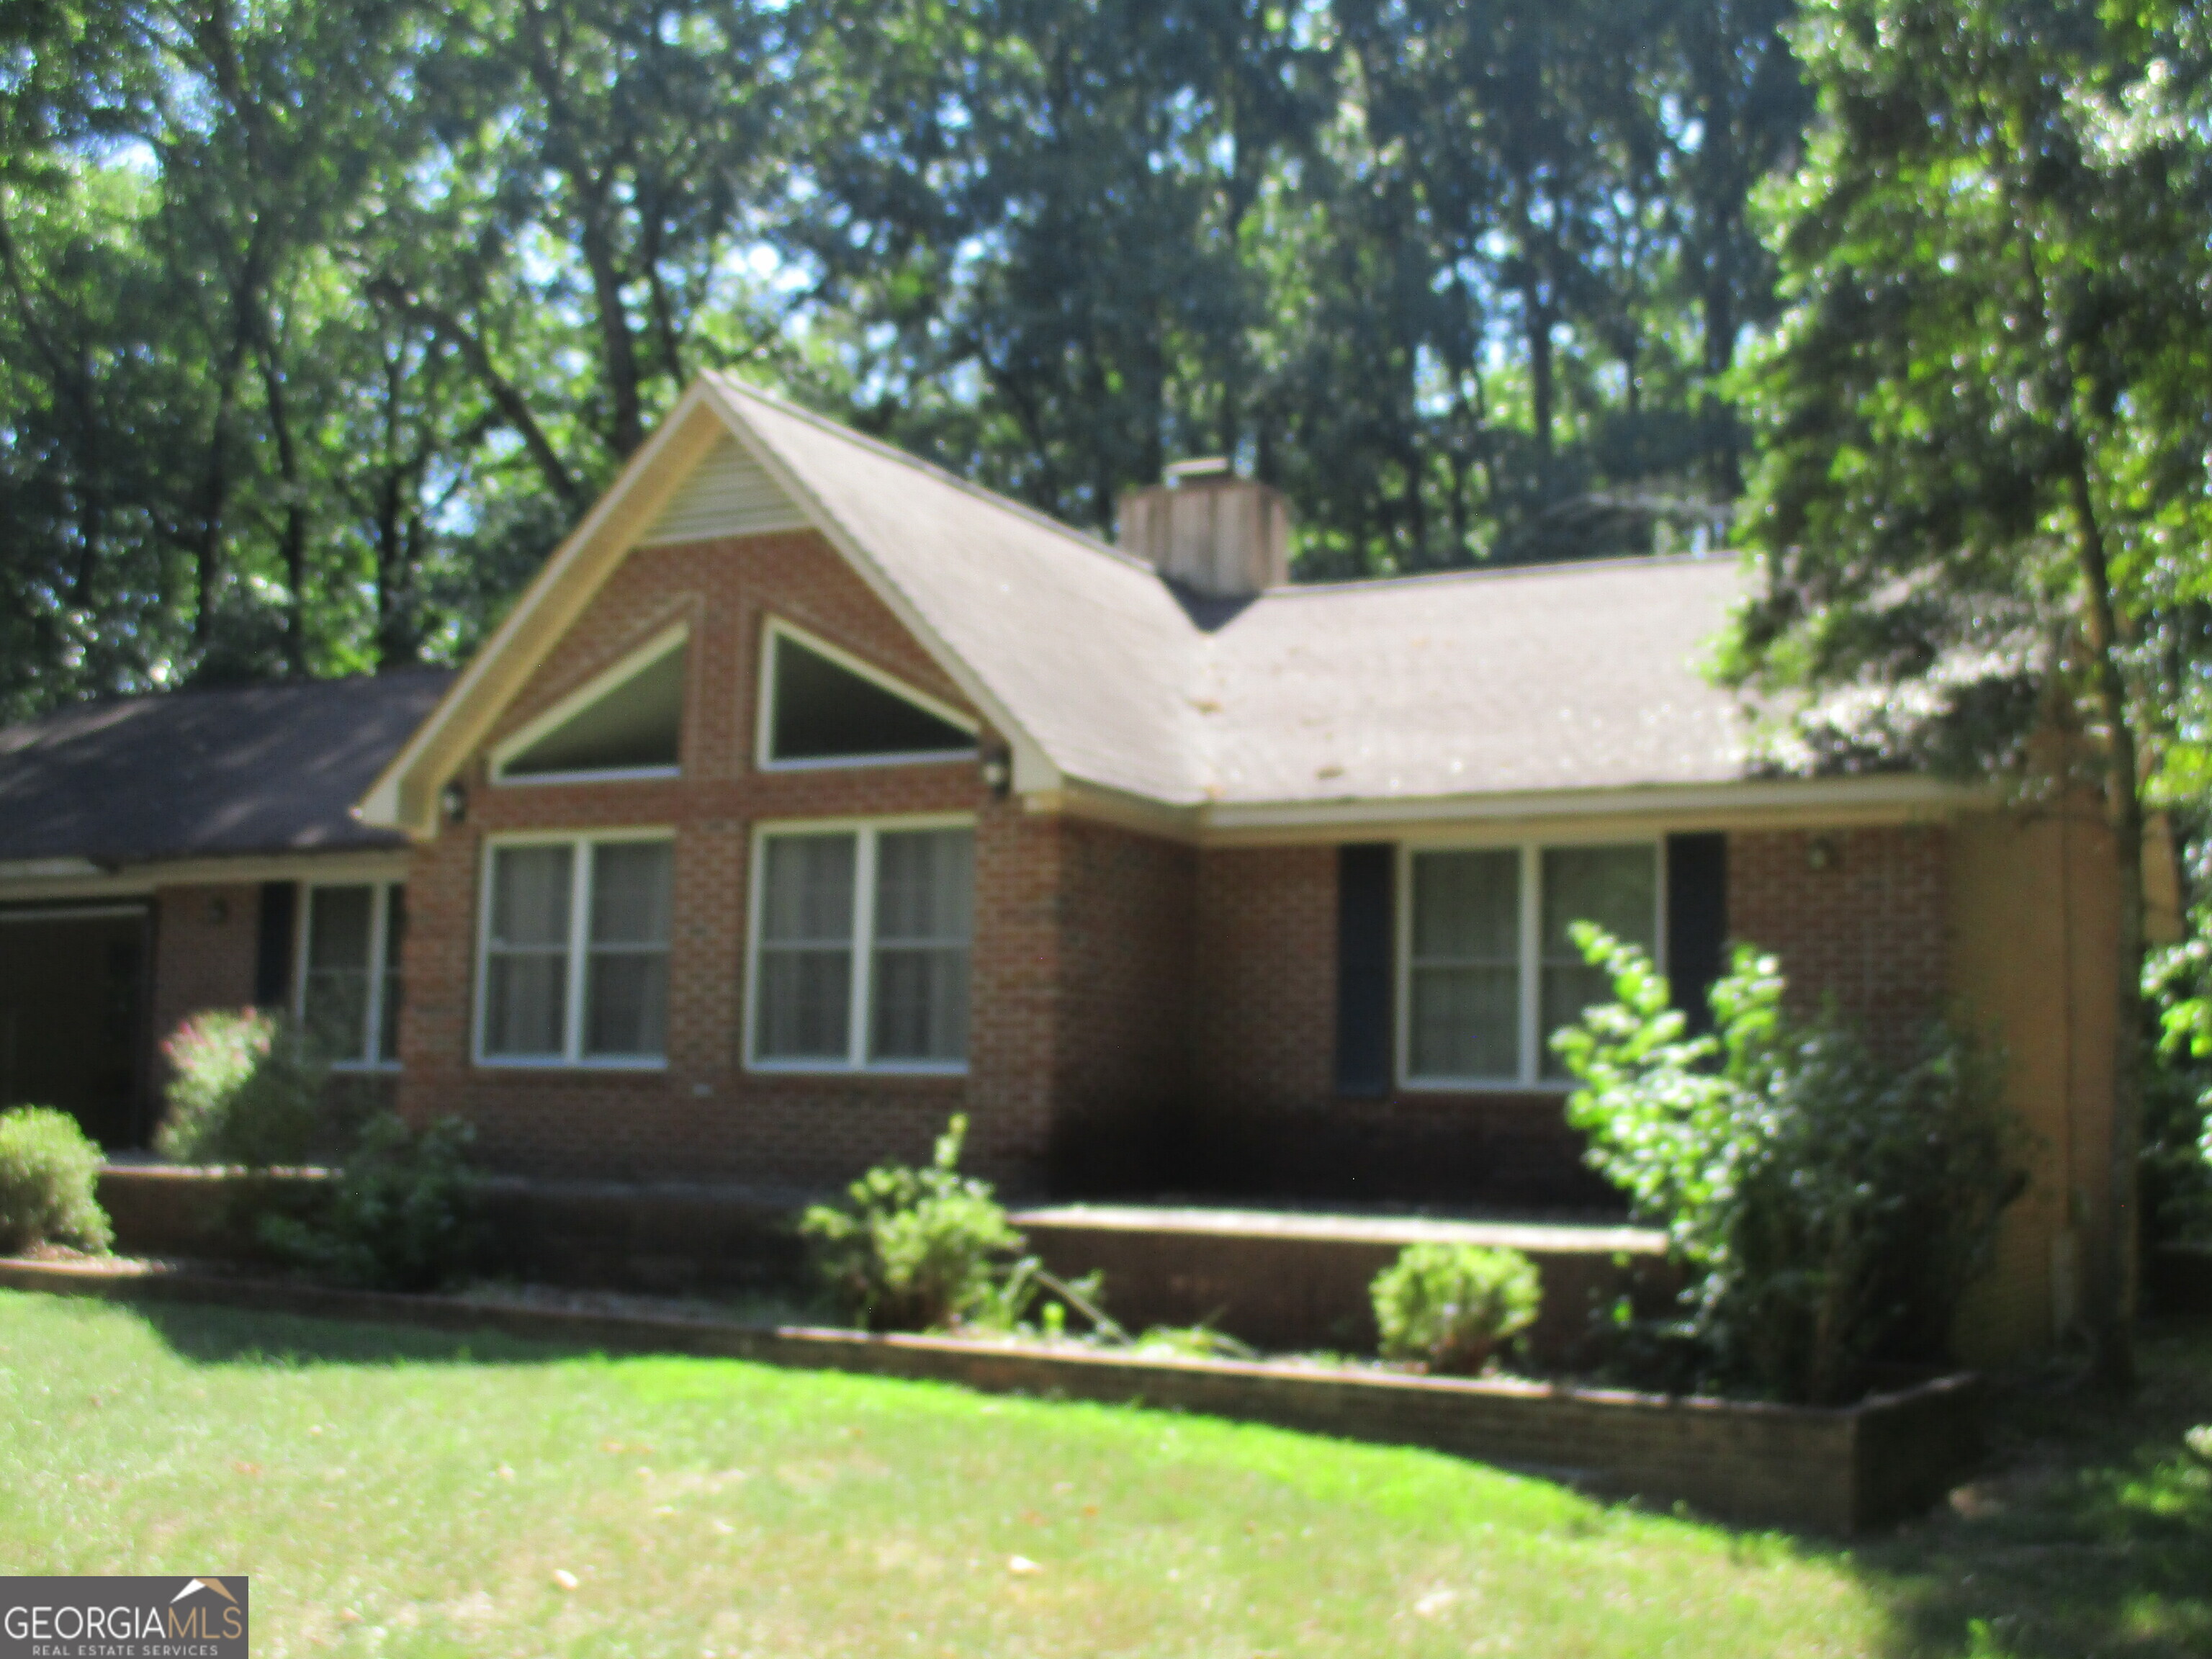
x,y
1486,1086
612,775
556,1063
842,762
832,1069
365,1069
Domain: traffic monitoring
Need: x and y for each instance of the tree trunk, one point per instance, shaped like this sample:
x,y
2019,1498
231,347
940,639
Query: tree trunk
x,y
2116,1361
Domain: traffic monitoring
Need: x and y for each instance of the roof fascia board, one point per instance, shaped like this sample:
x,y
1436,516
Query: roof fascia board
x,y
1099,804
132,880
403,796
1780,802
1033,768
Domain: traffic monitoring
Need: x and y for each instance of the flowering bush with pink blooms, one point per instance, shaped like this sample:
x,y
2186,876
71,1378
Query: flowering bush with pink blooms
x,y
244,1090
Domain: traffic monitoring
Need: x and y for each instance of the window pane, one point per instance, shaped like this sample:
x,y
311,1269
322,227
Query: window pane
x,y
630,893
524,1005
395,935
824,711
636,724
806,890
626,1004
925,886
1617,888
925,908
529,895
527,957
1466,1022
805,1005
919,1005
1467,907
335,996
626,978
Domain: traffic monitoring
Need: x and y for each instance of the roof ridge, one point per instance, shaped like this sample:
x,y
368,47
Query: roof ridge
x,y
891,452
1504,573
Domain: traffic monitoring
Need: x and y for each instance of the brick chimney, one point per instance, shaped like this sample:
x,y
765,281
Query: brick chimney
x,y
1210,530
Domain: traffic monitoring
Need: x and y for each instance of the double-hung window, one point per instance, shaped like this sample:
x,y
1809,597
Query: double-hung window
x,y
860,944
1490,967
349,978
574,962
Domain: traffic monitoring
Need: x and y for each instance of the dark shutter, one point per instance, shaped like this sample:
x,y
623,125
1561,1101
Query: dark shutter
x,y
1362,969
1697,920
272,946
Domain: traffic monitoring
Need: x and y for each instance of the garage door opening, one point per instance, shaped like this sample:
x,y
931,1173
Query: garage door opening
x,y
72,1018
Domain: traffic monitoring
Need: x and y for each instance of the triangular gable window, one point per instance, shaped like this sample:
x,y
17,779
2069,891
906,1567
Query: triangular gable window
x,y
825,708
628,723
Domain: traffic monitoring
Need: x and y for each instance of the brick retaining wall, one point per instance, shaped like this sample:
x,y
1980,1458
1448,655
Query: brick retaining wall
x,y
1837,1470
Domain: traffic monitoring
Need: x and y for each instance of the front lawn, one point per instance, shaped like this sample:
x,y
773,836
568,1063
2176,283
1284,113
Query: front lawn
x,y
400,1492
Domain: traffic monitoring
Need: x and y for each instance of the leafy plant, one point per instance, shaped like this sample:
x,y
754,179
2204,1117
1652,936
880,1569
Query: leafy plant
x,y
1831,1209
399,1215
1450,1306
916,1249
2177,1142
244,1090
48,1170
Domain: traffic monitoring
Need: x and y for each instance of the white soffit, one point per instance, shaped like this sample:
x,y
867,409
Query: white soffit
x,y
728,494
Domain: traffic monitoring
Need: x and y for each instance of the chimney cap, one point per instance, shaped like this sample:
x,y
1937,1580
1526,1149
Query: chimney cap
x,y
1207,469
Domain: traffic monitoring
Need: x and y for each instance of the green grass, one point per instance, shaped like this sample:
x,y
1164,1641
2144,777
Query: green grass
x,y
398,1493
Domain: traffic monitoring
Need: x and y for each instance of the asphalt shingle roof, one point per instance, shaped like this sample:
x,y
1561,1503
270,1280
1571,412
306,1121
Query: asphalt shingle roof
x,y
205,773
1532,678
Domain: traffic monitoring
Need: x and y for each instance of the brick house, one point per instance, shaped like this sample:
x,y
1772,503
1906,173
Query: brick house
x,y
810,795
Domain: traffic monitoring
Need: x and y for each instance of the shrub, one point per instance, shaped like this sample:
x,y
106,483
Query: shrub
x,y
1831,1209
915,1250
48,1168
1450,1306
399,1214
244,1091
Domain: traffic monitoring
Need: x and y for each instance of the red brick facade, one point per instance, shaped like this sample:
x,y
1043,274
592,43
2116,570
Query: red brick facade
x,y
1078,995
1144,1015
1857,915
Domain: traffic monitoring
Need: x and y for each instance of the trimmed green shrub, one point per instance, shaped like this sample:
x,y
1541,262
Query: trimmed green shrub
x,y
1450,1306
916,1249
1831,1208
48,1170
399,1215
244,1090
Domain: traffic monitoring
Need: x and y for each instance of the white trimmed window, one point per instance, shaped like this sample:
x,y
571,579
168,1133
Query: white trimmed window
x,y
349,977
821,706
1488,970
860,939
625,723
573,968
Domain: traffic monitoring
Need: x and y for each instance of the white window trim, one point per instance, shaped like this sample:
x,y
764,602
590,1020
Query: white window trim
x,y
572,1057
379,943
856,1061
775,628
1529,1078
631,664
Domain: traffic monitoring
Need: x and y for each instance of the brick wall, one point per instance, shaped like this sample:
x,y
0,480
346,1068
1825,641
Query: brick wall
x,y
1855,914
204,950
706,1117
1127,911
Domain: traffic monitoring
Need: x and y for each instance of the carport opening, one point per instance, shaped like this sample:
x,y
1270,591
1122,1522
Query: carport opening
x,y
72,1018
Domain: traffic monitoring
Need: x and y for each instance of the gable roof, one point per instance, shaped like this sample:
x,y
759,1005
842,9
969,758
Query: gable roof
x,y
199,773
1574,677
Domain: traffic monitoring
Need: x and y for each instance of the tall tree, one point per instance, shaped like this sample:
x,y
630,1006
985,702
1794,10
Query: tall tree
x,y
1985,420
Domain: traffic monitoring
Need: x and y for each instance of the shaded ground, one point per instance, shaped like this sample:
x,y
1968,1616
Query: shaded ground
x,y
2090,1534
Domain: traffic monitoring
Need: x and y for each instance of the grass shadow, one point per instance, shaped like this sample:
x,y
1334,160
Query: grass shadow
x,y
2089,1532
210,1335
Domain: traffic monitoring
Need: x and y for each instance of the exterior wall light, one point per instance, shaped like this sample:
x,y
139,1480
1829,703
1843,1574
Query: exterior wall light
x,y
1821,852
998,770
453,802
